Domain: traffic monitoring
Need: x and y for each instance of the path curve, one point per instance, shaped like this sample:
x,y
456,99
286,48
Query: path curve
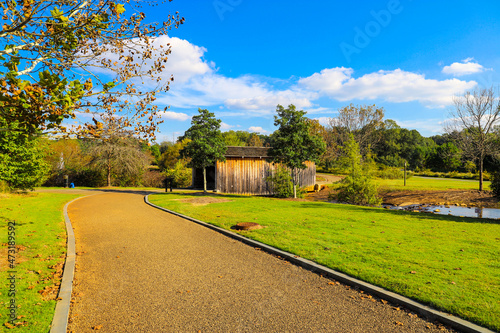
x,y
140,269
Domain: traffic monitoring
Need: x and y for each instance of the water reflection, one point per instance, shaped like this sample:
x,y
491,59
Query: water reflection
x,y
476,212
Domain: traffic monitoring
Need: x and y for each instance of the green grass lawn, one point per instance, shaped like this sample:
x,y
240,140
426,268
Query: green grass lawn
x,y
41,241
450,263
431,184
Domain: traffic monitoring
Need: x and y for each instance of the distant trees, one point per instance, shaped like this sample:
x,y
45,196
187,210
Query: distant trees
x,y
207,143
473,120
244,139
293,141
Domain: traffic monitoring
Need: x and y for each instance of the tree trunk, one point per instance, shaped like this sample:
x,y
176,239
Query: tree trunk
x,y
481,173
294,180
109,172
205,180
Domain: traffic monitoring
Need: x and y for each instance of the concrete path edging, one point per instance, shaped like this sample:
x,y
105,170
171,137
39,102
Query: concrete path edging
x,y
61,313
445,318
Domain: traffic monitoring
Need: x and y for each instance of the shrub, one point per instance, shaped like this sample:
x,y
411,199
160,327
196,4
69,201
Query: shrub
x,y
153,178
392,173
181,175
281,183
357,187
89,177
4,187
495,184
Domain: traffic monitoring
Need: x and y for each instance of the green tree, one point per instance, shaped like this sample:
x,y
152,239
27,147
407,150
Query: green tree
x,y
357,187
450,156
293,142
254,141
235,138
64,157
207,143
171,154
22,165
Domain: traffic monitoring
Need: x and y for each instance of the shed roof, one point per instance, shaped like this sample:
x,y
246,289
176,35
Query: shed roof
x,y
248,152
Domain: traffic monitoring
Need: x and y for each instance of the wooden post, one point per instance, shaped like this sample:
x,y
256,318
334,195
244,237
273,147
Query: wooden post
x,y
405,174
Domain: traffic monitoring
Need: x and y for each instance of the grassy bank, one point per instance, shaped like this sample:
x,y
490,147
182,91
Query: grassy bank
x,y
37,223
430,184
450,263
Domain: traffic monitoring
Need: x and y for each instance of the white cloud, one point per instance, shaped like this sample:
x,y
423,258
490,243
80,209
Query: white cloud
x,y
427,127
395,86
325,121
186,60
225,127
269,100
174,115
466,67
257,129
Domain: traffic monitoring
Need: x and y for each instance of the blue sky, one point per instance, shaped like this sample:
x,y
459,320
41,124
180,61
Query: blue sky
x,y
240,58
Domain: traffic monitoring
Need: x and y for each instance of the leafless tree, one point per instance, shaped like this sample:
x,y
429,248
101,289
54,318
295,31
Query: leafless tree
x,y
360,120
473,121
116,150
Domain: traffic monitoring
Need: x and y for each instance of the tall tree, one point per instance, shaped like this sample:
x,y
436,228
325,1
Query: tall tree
x,y
60,57
207,143
254,141
117,152
360,120
21,159
293,142
357,187
473,120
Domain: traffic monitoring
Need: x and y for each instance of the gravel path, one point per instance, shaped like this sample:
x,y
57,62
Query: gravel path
x,y
143,270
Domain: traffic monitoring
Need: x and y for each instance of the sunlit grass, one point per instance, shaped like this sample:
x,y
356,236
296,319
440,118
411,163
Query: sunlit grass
x,y
41,239
430,184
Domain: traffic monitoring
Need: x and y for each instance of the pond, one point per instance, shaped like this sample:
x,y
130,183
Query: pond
x,y
475,212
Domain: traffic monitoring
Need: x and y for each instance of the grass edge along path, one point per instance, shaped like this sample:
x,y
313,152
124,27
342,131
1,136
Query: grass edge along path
x,y
36,222
448,263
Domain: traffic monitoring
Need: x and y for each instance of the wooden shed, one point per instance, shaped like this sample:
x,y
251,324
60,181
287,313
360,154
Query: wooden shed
x,y
245,171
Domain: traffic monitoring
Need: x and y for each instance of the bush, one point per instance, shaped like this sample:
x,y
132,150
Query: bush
x,y
153,178
359,190
495,184
88,177
4,187
392,173
357,187
181,175
281,183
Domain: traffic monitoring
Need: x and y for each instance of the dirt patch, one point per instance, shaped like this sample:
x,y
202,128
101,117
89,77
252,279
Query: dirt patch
x,y
452,197
203,201
4,254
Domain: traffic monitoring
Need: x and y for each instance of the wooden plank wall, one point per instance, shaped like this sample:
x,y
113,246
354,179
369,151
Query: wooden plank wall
x,y
247,176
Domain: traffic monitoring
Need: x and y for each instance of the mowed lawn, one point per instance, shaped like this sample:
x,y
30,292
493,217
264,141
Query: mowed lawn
x,y
450,263
40,235
416,183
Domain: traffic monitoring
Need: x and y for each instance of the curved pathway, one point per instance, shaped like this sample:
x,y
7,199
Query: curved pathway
x,y
140,269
